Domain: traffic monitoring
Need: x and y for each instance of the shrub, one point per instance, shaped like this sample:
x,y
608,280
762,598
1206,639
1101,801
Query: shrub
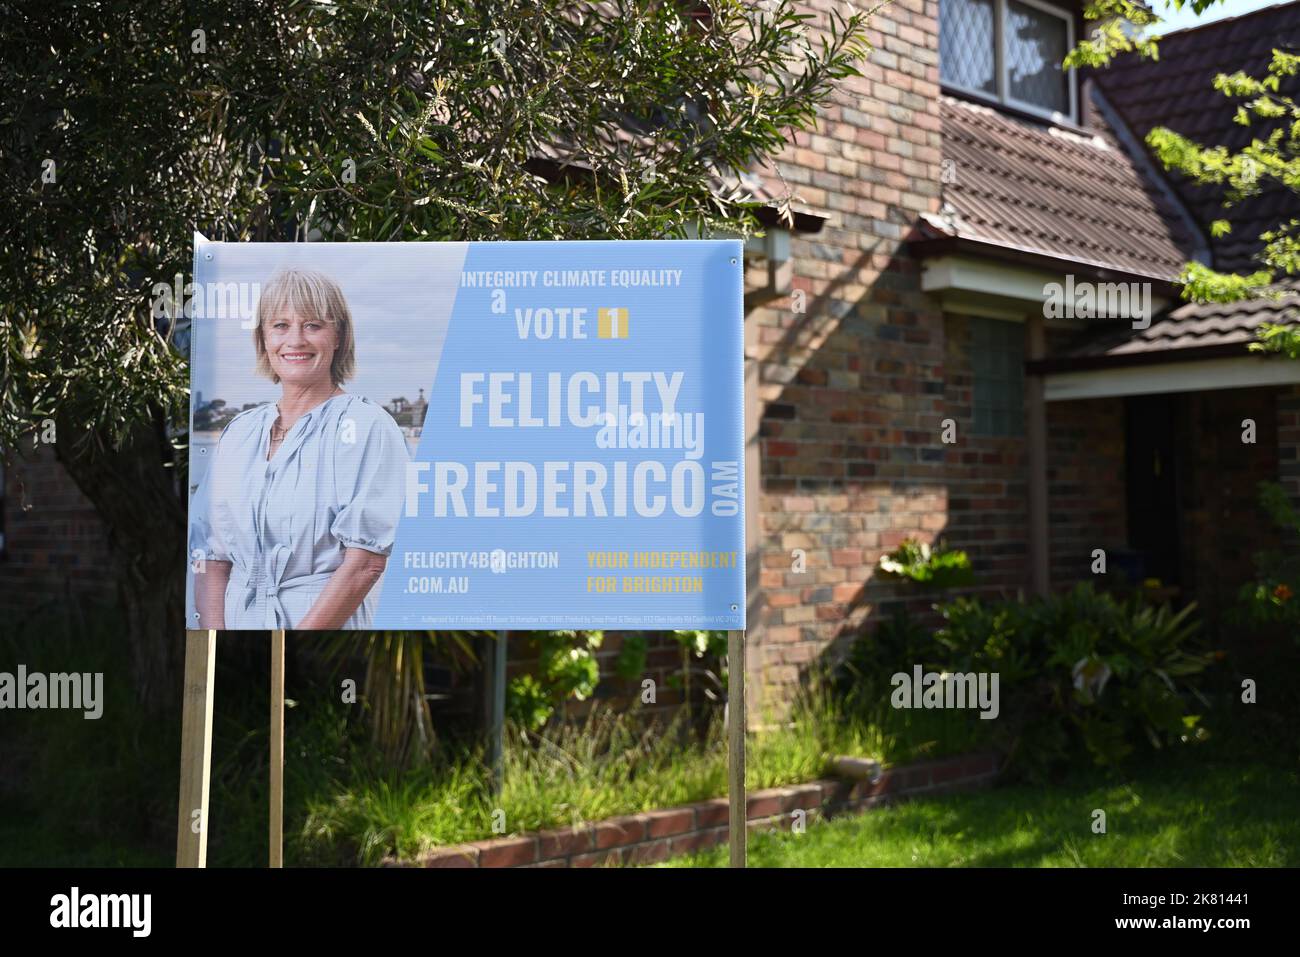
x,y
939,567
1080,672
1274,597
566,669
898,642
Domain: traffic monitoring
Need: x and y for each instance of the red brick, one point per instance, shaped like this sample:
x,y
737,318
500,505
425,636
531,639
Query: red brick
x,y
457,855
712,813
669,822
778,599
507,852
649,853
846,591
607,858
618,831
564,842
690,843
763,804
716,835
804,796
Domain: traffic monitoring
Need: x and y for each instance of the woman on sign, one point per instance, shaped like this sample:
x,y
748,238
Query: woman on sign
x,y
297,513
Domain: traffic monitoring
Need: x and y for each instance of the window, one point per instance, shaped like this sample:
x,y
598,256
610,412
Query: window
x,y
967,39
1009,51
998,374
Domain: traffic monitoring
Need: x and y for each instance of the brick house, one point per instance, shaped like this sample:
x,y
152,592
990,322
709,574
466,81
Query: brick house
x,y
943,192
956,180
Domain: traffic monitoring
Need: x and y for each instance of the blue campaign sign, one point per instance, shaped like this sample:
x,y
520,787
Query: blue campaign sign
x,y
531,435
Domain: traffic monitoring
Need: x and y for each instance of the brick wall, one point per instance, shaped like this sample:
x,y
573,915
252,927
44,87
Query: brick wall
x,y
852,387
1086,492
987,482
55,545
1222,525
986,477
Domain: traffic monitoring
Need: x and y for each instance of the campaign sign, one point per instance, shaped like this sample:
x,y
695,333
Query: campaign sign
x,y
531,435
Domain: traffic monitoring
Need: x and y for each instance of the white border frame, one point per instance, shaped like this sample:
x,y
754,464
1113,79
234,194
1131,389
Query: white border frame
x,y
1003,96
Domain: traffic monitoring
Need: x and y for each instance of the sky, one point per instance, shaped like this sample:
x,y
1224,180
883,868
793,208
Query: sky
x,y
1186,17
400,299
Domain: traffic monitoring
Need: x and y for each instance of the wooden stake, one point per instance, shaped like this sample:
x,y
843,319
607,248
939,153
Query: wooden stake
x,y
196,749
277,748
737,829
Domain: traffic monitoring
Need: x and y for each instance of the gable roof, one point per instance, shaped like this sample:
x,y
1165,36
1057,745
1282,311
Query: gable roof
x,y
1098,201
1177,92
1078,197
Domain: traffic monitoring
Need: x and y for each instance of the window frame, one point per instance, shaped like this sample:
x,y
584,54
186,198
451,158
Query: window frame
x,y
1002,72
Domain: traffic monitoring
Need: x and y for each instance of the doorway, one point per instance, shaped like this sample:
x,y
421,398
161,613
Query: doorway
x,y
1153,489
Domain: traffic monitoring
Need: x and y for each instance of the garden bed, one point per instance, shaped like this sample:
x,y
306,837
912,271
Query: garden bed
x,y
659,835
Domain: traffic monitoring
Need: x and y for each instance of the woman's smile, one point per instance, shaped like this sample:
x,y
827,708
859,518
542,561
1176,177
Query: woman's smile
x,y
300,350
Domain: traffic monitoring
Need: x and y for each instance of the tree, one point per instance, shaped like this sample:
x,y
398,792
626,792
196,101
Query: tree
x,y
127,125
1272,156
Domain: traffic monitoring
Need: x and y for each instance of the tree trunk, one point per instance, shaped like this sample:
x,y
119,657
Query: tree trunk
x,y
134,490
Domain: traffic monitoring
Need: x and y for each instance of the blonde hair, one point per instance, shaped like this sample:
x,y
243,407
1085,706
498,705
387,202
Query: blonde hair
x,y
311,295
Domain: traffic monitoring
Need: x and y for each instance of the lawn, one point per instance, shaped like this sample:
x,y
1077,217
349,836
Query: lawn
x,y
103,792
1170,814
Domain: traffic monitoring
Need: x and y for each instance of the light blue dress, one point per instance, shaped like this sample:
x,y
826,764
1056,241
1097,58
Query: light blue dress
x,y
336,482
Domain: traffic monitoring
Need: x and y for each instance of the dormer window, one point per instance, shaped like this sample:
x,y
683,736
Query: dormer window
x,y
1010,52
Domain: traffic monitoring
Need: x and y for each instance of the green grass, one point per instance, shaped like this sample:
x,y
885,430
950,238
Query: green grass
x,y
1196,815
611,764
102,793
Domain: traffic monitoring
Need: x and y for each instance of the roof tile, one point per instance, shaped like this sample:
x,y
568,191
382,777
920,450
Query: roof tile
x,y
1078,197
1177,92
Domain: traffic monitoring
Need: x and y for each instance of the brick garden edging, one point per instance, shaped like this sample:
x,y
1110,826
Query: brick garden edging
x,y
659,835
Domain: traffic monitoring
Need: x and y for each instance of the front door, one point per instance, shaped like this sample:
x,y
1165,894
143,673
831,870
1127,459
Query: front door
x,y
1153,485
